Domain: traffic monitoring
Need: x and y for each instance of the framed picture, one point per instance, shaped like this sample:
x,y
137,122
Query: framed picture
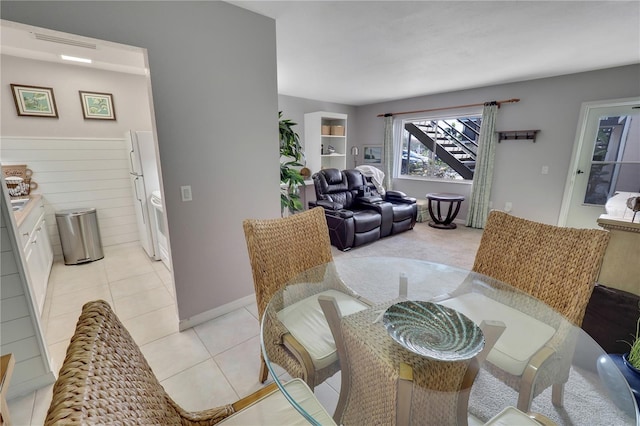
x,y
373,154
34,101
97,106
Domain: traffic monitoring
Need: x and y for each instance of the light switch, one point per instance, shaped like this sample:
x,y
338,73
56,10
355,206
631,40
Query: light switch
x,y
186,193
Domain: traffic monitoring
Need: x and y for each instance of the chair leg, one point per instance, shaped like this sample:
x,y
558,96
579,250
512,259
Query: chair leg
x,y
332,313
465,390
404,392
525,396
557,394
264,371
528,379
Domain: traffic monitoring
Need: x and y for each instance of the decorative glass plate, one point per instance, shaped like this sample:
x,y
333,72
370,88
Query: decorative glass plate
x,y
433,330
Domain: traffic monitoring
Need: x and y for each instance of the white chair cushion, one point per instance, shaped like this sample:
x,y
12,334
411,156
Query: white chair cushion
x,y
306,322
275,409
522,338
511,416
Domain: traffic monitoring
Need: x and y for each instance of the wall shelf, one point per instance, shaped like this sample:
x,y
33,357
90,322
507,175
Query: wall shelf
x,y
522,135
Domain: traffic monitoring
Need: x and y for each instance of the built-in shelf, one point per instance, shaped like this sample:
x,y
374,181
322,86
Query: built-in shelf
x,y
318,129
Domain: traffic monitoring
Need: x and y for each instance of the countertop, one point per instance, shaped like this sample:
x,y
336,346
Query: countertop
x,y
622,223
22,214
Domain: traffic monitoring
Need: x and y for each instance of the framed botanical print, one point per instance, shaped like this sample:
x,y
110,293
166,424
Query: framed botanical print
x,y
97,106
34,101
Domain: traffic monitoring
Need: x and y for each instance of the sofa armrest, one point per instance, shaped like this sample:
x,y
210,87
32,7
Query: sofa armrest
x,y
399,197
395,194
329,205
341,213
369,200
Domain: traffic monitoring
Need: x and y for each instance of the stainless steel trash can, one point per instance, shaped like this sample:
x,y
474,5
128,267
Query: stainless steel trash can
x,y
79,235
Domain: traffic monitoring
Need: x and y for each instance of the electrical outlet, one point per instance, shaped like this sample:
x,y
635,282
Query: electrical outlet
x,y
545,170
507,206
186,193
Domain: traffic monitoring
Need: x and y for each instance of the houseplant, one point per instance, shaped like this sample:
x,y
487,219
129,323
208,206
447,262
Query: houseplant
x,y
632,359
291,157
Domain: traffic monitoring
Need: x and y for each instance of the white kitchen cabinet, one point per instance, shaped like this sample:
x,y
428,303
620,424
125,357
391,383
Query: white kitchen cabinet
x,y
323,130
21,334
37,249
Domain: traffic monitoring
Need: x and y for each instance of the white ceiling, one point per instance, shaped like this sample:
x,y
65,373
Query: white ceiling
x,y
362,52
47,45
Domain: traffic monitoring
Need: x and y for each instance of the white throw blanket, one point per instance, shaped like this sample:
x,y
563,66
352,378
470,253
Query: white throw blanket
x,y
376,175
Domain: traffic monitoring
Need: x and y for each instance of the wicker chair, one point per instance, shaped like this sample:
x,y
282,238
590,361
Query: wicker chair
x,y
359,399
105,379
279,250
556,265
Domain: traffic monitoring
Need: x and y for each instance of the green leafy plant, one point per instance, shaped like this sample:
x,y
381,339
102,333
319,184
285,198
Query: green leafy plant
x,y
291,157
634,352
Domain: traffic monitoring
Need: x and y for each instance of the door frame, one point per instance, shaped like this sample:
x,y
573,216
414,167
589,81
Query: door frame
x,y
579,145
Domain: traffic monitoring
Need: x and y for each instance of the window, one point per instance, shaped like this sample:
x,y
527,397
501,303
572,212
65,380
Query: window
x,y
441,147
615,164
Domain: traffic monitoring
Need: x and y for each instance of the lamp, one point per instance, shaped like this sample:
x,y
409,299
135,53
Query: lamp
x,y
354,152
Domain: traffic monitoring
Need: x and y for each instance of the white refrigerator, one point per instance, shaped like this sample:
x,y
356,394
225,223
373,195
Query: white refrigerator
x,y
143,171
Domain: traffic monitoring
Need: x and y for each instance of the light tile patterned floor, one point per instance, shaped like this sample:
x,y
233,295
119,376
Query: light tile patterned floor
x,y
213,363
209,365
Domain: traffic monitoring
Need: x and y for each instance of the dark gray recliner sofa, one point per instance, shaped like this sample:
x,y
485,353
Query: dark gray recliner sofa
x,y
356,215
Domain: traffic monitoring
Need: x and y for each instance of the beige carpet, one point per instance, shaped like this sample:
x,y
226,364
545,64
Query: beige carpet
x,y
583,405
455,247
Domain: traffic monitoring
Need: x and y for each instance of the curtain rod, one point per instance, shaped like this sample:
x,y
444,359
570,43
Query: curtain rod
x,y
506,101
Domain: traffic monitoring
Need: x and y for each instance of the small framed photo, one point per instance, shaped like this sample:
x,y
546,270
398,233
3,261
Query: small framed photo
x,y
373,154
97,106
34,101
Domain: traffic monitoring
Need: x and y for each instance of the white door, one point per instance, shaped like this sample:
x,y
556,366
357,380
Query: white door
x,y
606,159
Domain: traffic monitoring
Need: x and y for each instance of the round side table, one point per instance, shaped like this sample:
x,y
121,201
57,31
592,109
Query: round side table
x,y
437,221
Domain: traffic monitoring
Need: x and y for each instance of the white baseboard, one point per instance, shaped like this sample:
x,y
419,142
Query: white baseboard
x,y
216,312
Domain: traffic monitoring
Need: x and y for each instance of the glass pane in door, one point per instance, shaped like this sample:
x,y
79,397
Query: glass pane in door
x,y
615,163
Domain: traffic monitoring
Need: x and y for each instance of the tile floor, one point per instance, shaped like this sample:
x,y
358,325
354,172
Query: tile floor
x,y
211,364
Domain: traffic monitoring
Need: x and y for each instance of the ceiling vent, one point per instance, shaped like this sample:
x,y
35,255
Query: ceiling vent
x,y
67,41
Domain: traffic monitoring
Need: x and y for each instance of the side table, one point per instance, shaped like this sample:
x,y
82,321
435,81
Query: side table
x,y
437,221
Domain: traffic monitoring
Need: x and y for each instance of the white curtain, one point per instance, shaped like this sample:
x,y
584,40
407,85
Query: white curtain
x,y
387,159
483,174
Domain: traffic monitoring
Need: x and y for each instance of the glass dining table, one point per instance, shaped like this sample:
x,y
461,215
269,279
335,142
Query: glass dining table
x,y
403,327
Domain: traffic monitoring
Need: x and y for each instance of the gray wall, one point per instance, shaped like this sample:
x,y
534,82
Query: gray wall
x,y
130,98
551,105
213,76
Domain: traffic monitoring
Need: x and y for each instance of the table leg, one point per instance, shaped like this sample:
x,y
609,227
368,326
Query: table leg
x,y
447,222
